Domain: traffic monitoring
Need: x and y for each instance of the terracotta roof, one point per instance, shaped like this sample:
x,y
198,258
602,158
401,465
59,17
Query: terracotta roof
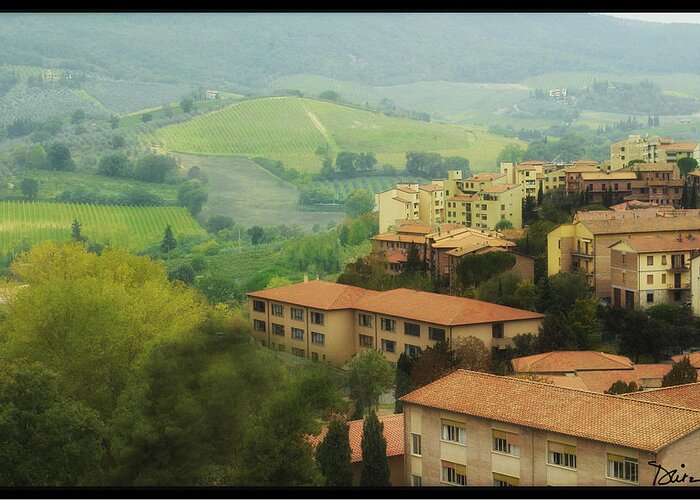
x,y
581,168
685,396
532,162
406,238
596,176
584,215
431,187
396,257
393,433
600,381
679,146
484,177
440,309
463,197
570,361
412,226
643,243
500,188
654,167
317,294
644,224
396,198
476,245
589,415
695,173
524,168
694,359
406,189
572,382
631,205
585,162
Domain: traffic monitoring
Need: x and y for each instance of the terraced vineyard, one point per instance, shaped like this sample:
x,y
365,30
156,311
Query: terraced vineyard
x,y
291,129
135,228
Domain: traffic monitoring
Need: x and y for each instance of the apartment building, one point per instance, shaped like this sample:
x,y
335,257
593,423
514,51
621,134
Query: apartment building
x,y
393,433
647,270
589,370
399,203
674,151
573,173
488,207
531,175
584,244
331,322
597,184
549,181
635,147
431,204
658,183
477,429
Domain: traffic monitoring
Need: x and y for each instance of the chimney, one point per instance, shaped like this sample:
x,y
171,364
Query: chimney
x,y
306,277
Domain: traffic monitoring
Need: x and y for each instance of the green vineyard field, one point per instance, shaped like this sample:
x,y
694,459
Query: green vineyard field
x,y
134,228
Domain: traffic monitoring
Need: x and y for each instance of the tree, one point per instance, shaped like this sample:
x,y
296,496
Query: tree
x,y
154,168
169,242
471,353
684,196
525,344
433,363
333,454
414,263
693,197
186,104
375,468
345,162
359,202
113,165
555,334
46,438
146,117
473,269
256,234
192,195
327,170
529,209
503,224
75,231
458,163
29,187
77,116
218,222
403,380
511,153
216,288
621,387
329,95
184,273
687,165
369,375
540,194
29,157
114,121
365,162
681,372
59,157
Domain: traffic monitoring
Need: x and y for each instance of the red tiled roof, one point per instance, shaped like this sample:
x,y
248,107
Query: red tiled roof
x,y
694,359
605,418
317,294
440,309
643,243
407,238
685,396
484,177
393,433
431,187
396,257
600,381
570,361
679,146
500,188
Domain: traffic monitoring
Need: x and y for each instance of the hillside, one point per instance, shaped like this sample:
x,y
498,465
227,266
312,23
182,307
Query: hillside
x,y
251,49
291,129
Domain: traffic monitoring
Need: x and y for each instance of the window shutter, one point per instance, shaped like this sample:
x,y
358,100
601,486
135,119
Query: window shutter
x,y
615,458
461,469
514,439
571,450
499,434
555,447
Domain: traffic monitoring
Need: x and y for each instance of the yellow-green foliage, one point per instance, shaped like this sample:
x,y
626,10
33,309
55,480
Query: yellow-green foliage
x,y
134,228
291,129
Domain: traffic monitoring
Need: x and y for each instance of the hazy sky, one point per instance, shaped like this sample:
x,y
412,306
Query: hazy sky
x,y
661,17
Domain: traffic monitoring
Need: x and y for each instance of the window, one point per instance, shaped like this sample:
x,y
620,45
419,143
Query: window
x,y
615,189
650,298
278,329
650,279
503,480
314,356
506,442
415,444
497,330
297,314
318,338
258,326
366,341
366,320
454,473
503,207
624,468
411,329
317,318
436,333
277,310
388,325
259,305
453,431
663,279
297,333
298,352
650,260
412,350
663,260
561,454
388,345
416,480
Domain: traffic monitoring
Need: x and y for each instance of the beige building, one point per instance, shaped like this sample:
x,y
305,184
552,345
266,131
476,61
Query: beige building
x,y
674,151
393,433
331,322
648,270
635,147
476,429
584,244
431,204
399,203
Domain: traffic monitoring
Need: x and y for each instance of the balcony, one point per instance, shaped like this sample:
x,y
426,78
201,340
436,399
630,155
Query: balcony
x,y
583,255
679,268
679,286
502,343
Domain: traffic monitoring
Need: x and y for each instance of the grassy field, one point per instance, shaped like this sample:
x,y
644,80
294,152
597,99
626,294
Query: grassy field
x,y
173,108
135,228
53,183
291,129
373,184
251,195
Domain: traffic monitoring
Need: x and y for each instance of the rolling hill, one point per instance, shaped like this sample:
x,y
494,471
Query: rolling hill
x,y
291,129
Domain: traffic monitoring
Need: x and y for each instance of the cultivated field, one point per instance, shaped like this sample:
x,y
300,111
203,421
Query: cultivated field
x,y
291,129
373,184
134,228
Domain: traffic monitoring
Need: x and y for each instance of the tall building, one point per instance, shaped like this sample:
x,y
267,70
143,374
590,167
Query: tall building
x,y
476,429
635,147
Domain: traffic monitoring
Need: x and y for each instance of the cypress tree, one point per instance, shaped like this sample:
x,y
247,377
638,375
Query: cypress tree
x,y
684,196
403,381
333,455
540,195
169,242
681,373
375,468
693,197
